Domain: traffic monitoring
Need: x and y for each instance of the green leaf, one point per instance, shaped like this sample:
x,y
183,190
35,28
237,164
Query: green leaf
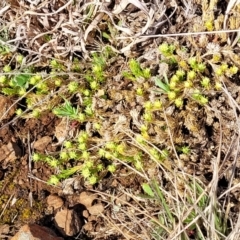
x,y
165,87
147,189
21,80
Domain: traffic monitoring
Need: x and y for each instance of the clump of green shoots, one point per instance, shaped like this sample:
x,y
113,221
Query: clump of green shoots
x,y
190,210
136,71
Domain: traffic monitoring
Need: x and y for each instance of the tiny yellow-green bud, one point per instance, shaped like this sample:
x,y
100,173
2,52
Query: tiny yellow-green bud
x,y
139,138
42,86
7,69
68,144
203,100
64,155
179,102
94,85
97,68
33,80
219,72
172,95
3,79
92,180
89,164
53,163
38,77
97,126
108,155
110,145
81,117
88,110
140,91
205,82
216,57
218,86
157,104
100,167
19,112
11,83
188,84
36,157
73,86
148,116
19,58
172,85
86,92
82,146
73,155
86,172
85,155
53,180
111,168
174,78
192,61
233,70
120,148
146,73
101,152
191,75
36,113
58,82
138,165
22,91
209,25
224,67
201,67
180,73
163,48
145,135
183,64
148,105
143,128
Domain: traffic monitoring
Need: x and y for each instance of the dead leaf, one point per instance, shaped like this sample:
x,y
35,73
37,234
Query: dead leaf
x,y
54,201
61,130
42,143
86,199
96,209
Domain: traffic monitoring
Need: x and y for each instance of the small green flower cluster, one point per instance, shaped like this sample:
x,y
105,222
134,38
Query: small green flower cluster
x,y
88,165
190,79
136,71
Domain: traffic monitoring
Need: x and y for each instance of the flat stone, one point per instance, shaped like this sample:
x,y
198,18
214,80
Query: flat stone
x,y
54,201
68,222
35,232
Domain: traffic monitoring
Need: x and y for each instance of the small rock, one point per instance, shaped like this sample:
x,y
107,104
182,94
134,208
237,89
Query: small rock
x,y
85,213
42,143
54,201
88,226
9,153
86,199
35,232
4,229
68,222
96,209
